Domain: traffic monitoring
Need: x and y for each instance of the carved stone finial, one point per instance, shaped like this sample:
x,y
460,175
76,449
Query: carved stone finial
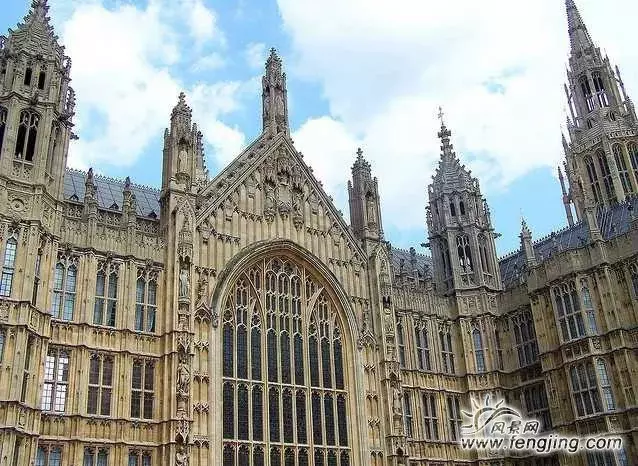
x,y
127,183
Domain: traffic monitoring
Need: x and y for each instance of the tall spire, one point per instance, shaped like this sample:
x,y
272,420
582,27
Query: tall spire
x,y
579,37
274,96
35,33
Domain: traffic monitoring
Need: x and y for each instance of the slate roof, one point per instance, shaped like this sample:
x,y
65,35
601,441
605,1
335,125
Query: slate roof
x,y
109,193
612,222
423,262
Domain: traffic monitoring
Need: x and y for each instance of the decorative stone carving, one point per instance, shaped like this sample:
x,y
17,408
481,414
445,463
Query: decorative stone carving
x,y
184,284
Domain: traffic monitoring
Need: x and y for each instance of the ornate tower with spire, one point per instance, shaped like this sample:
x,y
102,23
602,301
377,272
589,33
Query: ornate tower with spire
x,y
36,103
274,96
363,193
602,154
459,225
184,166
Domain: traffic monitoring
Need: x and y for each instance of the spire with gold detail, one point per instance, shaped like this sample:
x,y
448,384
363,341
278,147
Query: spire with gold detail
x,y
274,97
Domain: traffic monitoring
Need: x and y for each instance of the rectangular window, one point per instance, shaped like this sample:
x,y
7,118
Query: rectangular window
x,y
423,346
64,287
454,415
8,266
56,380
49,455
430,416
95,456
145,303
525,336
100,385
585,389
447,355
407,413
16,451
105,295
139,458
536,405
142,386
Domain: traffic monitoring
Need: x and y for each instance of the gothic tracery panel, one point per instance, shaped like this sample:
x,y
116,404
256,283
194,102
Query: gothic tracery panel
x,y
284,385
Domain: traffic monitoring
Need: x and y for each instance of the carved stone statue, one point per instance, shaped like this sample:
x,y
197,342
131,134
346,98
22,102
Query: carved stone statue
x,y
183,380
279,104
266,105
181,456
389,323
184,284
181,160
372,215
397,409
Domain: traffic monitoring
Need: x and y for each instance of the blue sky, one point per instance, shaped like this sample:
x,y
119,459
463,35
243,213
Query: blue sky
x,y
363,73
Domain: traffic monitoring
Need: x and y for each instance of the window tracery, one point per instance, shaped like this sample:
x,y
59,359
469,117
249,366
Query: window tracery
x,y
284,388
632,149
64,288
606,175
3,125
570,316
145,300
27,134
592,174
525,337
621,166
105,306
8,265
479,351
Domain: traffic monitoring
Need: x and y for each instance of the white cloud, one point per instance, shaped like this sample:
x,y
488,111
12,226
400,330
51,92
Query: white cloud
x,y
125,85
212,61
256,55
497,69
202,21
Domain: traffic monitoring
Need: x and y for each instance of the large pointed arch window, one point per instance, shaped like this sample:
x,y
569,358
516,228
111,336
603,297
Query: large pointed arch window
x,y
599,86
621,166
27,135
632,148
587,93
284,386
606,175
593,179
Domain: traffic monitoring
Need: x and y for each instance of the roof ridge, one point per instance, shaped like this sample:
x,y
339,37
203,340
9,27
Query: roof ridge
x,y
116,180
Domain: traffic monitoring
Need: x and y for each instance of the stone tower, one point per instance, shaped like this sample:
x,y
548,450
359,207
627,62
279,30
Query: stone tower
x,y
460,229
37,104
602,154
363,192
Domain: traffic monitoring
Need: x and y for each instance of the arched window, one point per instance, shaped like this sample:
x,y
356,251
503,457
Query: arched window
x,y
585,389
632,148
27,134
525,338
8,266
422,346
401,342
283,370
445,260
145,300
447,355
479,351
452,209
593,179
588,305
3,125
27,76
53,147
41,80
621,166
64,284
606,176
465,255
486,264
605,385
599,86
587,94
462,207
570,316
105,304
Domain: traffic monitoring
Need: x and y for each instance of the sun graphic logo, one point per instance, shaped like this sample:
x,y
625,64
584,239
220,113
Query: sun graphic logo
x,y
496,417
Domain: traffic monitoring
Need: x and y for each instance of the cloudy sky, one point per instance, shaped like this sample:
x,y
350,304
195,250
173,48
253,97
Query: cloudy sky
x,y
367,73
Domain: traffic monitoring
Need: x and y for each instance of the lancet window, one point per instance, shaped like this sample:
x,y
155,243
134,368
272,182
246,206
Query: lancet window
x,y
284,388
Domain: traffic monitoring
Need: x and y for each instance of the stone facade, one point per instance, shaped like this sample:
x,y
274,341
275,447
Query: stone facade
x,y
240,320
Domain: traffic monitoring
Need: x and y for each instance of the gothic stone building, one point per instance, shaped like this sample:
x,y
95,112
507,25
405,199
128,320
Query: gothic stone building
x,y
240,320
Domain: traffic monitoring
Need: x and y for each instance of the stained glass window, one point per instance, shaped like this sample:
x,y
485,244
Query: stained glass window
x,y
277,320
